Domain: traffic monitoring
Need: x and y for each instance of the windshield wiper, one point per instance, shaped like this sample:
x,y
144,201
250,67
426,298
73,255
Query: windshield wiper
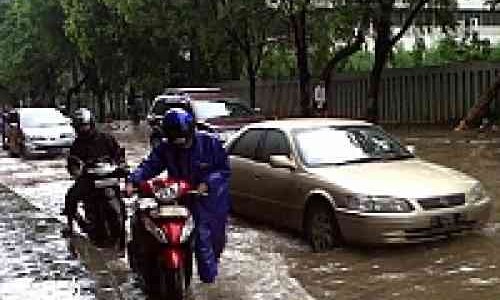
x,y
353,161
401,156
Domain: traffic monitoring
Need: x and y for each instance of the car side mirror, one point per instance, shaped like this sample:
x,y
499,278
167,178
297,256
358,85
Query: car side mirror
x,y
412,149
282,161
257,110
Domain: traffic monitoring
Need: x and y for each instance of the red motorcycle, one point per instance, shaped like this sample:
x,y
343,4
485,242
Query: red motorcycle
x,y
161,247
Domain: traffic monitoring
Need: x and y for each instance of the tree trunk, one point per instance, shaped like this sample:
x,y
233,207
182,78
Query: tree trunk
x,y
383,47
252,80
195,45
299,25
480,108
328,71
234,62
74,90
101,103
373,90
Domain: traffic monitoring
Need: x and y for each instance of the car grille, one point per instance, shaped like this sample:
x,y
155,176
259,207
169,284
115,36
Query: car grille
x,y
442,201
431,233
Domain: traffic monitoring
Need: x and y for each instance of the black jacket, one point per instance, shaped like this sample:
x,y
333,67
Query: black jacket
x,y
96,145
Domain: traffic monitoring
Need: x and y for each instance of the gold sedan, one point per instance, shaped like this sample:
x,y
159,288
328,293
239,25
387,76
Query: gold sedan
x,y
348,181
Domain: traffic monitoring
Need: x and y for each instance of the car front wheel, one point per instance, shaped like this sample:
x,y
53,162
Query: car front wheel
x,y
23,152
322,229
5,145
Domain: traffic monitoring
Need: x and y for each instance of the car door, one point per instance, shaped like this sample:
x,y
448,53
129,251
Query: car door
x,y
245,172
277,186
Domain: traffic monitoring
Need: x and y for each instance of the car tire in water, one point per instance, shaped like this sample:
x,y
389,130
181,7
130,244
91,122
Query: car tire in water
x,y
12,153
321,227
23,153
5,145
188,273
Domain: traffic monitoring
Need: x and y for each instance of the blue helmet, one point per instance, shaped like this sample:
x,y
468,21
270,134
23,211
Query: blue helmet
x,y
178,126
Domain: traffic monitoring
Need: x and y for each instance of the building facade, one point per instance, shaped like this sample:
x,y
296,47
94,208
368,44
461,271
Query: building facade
x,y
474,18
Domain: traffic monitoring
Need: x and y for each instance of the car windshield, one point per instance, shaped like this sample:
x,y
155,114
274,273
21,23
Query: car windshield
x,y
43,120
162,106
345,145
216,109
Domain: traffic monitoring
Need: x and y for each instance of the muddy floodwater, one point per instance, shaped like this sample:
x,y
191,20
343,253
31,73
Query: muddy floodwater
x,y
259,262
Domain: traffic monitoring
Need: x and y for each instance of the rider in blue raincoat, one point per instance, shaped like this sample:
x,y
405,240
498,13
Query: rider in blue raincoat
x,y
200,159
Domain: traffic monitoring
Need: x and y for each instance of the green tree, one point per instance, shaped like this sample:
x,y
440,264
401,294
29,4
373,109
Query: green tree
x,y
361,61
297,11
249,25
34,52
346,27
278,63
96,30
382,14
403,59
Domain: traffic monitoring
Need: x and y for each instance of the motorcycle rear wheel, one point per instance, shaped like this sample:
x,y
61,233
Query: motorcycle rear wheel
x,y
172,284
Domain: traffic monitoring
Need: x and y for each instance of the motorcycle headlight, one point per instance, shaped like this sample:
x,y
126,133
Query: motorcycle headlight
x,y
167,194
225,136
187,229
476,193
378,204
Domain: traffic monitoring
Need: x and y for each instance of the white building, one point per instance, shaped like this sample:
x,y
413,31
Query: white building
x,y
474,17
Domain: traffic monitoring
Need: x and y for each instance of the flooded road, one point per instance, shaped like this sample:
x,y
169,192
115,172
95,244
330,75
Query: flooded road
x,y
465,267
34,259
259,262
252,267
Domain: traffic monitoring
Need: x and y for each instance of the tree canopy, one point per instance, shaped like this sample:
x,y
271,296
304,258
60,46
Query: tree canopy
x,y
56,49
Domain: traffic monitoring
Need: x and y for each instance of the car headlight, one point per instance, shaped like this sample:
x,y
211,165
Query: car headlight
x,y
377,204
476,193
226,135
67,136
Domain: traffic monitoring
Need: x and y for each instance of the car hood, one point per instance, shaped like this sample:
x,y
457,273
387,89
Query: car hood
x,y
230,123
49,132
410,178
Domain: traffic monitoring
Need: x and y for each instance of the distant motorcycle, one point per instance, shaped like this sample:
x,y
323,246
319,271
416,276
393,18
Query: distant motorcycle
x,y
102,214
161,247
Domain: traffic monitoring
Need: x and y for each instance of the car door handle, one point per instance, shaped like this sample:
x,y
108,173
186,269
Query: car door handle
x,y
257,176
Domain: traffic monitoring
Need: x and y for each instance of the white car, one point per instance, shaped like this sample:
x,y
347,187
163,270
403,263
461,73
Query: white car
x,y
32,131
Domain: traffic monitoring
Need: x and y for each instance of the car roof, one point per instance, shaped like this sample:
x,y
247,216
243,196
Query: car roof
x,y
291,124
172,98
193,90
38,110
198,98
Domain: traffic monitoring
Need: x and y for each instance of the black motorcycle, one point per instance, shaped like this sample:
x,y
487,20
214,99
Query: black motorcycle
x,y
101,215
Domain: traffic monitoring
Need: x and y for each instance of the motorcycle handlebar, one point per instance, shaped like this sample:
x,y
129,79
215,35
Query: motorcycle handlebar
x,y
135,190
197,193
